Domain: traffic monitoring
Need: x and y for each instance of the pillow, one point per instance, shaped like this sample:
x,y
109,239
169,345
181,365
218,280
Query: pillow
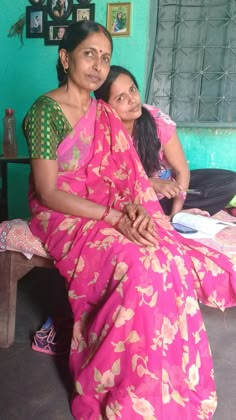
x,y
15,235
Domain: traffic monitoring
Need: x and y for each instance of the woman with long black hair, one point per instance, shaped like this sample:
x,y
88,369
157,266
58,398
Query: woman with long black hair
x,y
156,141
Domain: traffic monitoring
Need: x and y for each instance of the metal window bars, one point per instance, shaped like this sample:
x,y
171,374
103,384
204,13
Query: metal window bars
x,y
194,73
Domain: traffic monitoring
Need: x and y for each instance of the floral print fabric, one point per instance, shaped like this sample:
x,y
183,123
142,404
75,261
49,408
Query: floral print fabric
x,y
139,347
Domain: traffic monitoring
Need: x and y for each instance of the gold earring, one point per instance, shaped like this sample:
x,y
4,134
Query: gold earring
x,y
66,70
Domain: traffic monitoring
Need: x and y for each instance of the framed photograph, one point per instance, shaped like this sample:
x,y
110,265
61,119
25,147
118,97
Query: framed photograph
x,y
83,12
118,18
59,10
35,21
36,2
54,32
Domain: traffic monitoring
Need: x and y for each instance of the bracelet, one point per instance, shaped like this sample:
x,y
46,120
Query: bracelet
x,y
106,213
119,220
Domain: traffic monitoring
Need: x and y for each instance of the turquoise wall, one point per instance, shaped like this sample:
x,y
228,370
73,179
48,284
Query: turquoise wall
x,y
209,147
29,70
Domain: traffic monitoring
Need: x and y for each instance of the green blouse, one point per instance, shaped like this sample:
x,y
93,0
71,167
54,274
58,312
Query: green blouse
x,y
45,127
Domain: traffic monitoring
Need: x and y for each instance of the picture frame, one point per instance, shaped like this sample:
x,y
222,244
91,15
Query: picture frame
x,y
36,2
57,11
86,12
119,19
35,21
54,32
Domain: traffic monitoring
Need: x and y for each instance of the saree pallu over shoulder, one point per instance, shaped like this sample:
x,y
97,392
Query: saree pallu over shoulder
x,y
139,347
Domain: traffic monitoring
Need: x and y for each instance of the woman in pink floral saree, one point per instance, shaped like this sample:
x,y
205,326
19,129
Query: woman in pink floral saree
x,y
139,347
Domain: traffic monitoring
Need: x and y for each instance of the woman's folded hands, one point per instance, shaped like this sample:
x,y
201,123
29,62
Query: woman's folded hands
x,y
136,224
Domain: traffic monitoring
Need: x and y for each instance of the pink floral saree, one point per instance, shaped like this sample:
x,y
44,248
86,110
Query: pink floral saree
x,y
139,348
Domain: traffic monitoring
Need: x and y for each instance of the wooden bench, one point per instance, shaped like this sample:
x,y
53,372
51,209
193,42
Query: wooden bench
x,y
13,266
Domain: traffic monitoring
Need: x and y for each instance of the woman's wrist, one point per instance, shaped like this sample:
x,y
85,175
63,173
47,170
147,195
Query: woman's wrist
x,y
113,217
106,213
119,220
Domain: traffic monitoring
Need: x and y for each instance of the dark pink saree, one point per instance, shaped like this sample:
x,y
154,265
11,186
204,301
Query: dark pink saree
x,y
139,348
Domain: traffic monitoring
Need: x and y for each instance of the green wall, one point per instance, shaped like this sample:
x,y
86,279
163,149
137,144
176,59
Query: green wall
x,y
209,147
29,70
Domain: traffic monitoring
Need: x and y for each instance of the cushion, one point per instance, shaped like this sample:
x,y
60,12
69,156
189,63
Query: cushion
x,y
15,235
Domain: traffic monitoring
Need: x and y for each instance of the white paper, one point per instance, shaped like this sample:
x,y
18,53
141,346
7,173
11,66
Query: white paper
x,y
207,227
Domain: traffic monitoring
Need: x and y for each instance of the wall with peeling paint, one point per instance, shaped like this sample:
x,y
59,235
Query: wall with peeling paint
x,y
209,147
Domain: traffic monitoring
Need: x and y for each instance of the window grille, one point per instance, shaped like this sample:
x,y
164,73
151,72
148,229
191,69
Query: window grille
x,y
194,73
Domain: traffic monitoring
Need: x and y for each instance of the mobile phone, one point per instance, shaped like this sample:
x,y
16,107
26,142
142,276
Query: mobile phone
x,y
183,229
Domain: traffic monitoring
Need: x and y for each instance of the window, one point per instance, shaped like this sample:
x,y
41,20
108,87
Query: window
x,y
194,73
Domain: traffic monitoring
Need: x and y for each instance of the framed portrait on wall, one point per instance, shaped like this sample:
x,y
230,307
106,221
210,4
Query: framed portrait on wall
x,y
54,32
86,12
59,10
35,21
36,2
119,19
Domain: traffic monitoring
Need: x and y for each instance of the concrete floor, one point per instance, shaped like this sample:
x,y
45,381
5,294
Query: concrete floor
x,y
35,386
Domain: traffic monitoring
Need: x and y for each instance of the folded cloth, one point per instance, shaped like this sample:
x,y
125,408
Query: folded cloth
x,y
15,235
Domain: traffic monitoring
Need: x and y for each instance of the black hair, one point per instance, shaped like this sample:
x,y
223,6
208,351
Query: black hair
x,y
144,133
75,34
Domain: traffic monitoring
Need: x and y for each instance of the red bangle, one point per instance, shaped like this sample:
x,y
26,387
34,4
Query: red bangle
x,y
106,212
119,220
